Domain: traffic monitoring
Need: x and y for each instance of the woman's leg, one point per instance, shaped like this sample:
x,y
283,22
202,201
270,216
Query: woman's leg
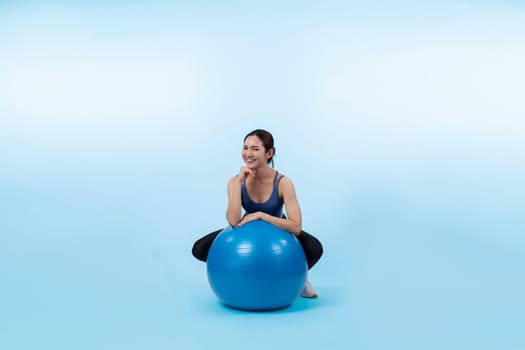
x,y
202,246
313,249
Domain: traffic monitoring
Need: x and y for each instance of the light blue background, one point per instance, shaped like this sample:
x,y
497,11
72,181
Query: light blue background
x,y
401,124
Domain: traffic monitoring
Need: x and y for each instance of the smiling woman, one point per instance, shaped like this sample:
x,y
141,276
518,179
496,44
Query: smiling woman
x,y
263,192
399,122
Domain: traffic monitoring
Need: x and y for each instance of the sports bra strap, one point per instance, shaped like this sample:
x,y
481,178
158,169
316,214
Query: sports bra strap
x,y
278,179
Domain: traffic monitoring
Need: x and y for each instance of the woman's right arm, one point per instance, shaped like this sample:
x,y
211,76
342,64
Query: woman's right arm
x,y
233,213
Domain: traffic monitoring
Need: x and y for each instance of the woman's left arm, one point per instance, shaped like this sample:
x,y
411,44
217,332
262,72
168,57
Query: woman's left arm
x,y
294,222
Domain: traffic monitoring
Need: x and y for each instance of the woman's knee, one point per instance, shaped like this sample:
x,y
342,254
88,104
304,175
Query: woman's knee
x,y
197,251
202,246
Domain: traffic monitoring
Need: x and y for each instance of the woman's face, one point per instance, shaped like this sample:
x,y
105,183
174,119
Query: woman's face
x,y
254,154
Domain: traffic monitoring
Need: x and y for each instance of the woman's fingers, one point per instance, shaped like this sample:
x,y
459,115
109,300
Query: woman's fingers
x,y
245,172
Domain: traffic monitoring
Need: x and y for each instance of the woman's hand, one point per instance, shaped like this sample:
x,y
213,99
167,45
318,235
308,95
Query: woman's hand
x,y
250,217
244,172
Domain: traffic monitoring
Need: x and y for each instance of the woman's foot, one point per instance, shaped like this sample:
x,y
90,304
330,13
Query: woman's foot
x,y
308,291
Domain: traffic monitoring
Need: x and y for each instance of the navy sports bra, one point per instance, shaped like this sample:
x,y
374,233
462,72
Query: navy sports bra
x,y
273,206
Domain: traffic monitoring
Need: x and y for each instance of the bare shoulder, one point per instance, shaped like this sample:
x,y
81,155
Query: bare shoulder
x,y
232,180
286,185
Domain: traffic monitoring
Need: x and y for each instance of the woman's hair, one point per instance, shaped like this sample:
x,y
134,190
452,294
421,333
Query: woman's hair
x,y
267,140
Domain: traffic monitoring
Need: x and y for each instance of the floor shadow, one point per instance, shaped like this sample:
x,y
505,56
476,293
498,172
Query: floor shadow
x,y
330,296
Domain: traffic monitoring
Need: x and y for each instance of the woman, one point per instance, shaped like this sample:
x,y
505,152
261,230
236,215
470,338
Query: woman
x,y
262,192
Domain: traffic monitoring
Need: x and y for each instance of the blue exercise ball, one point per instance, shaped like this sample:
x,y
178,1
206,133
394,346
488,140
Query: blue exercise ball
x,y
256,266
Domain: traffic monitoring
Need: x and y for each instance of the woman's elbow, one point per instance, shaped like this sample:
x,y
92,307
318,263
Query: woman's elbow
x,y
297,229
232,221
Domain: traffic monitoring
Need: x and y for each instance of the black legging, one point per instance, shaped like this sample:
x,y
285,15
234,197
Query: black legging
x,y
311,246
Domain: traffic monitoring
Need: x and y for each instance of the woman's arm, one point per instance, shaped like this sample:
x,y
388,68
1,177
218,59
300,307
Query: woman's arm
x,y
294,222
233,212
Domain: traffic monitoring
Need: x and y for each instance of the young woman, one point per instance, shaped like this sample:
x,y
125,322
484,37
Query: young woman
x,y
262,192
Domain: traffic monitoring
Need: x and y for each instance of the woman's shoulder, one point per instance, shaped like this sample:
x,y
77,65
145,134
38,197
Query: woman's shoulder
x,y
283,180
285,187
233,178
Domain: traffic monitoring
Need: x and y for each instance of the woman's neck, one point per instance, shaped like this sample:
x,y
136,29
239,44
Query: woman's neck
x,y
263,174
